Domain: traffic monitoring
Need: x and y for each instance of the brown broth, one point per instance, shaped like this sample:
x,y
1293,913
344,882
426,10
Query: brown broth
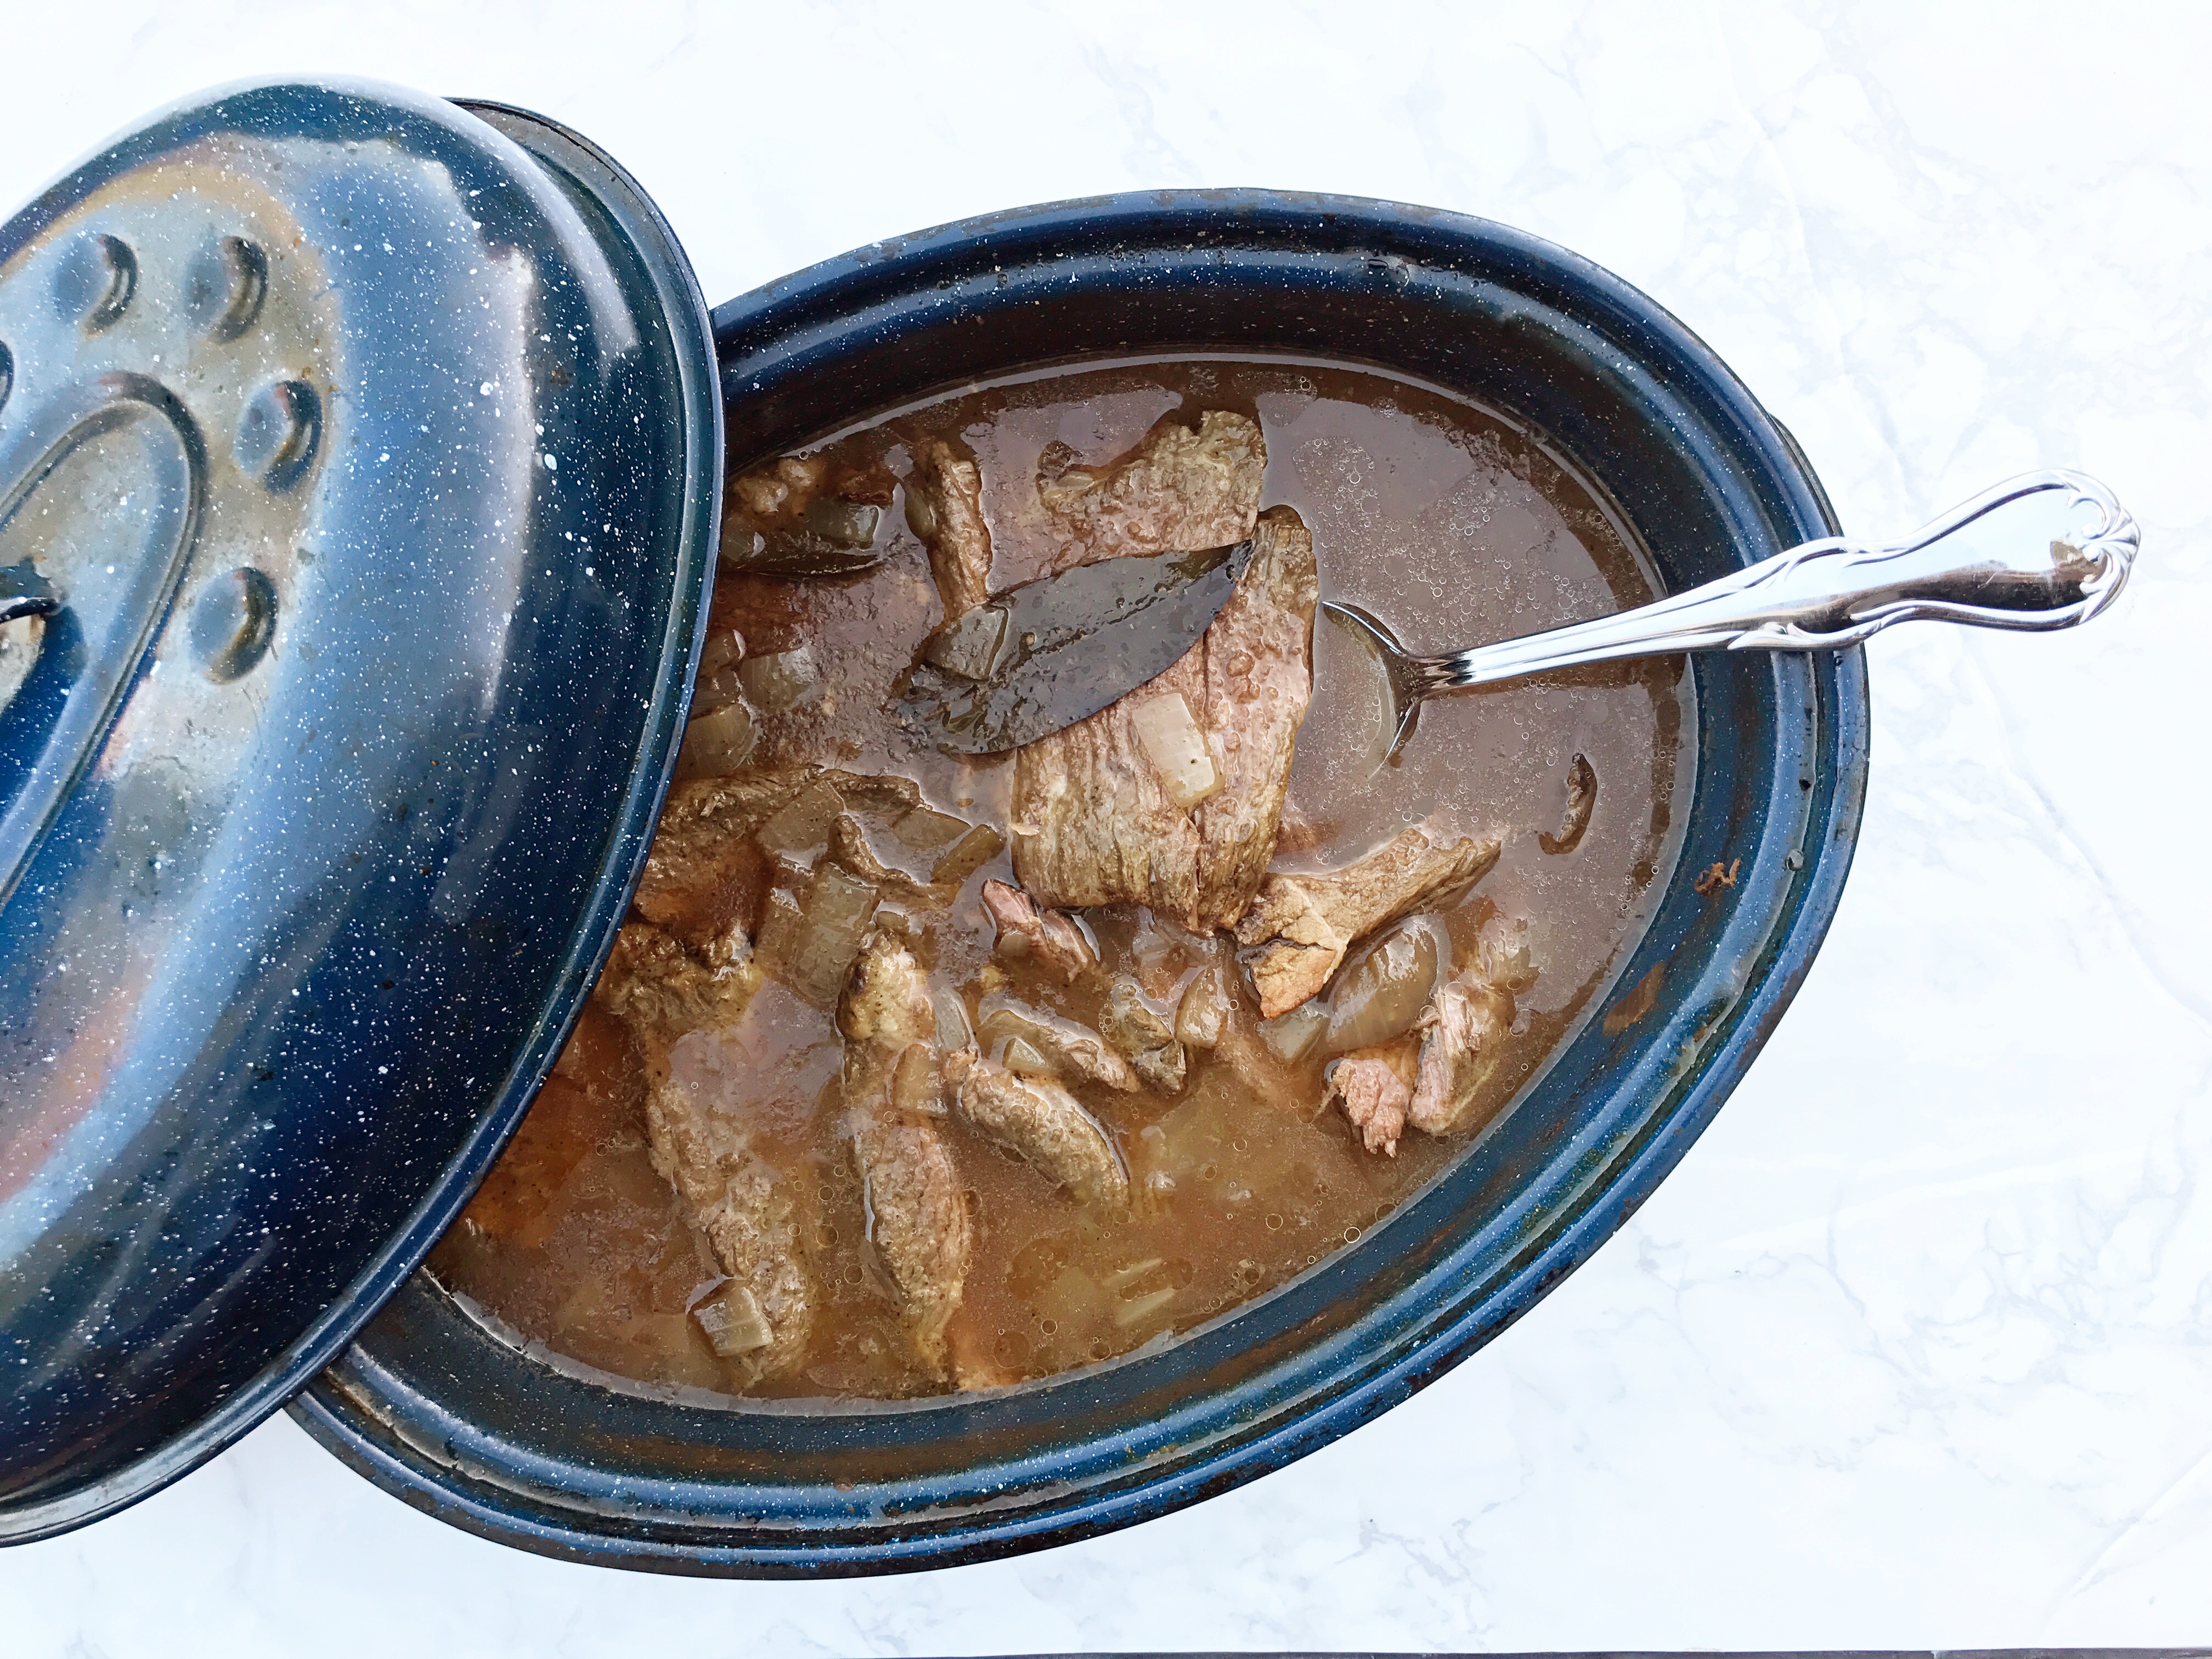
x,y
1447,521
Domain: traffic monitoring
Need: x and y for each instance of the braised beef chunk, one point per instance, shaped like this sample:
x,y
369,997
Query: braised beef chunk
x,y
701,1143
1129,1023
750,1213
662,986
704,873
1045,1126
917,1217
1374,1085
919,1224
1045,938
1180,491
1095,817
945,508
1463,1040
1302,925
886,1008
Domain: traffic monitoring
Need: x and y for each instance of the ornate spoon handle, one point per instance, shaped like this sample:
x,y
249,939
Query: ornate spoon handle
x,y
2047,550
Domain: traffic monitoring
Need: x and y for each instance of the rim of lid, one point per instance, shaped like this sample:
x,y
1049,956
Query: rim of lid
x,y
396,661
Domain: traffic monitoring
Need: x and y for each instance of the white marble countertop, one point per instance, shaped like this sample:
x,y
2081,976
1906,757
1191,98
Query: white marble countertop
x,y
1915,1346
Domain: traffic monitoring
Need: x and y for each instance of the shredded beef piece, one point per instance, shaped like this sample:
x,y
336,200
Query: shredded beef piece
x,y
1463,1034
1046,1127
663,989
918,1221
1376,1088
917,1216
1130,1025
1303,924
1049,940
746,1210
702,872
945,508
1178,490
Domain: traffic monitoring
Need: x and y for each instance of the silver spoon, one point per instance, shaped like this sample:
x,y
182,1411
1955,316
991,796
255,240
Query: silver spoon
x,y
2046,549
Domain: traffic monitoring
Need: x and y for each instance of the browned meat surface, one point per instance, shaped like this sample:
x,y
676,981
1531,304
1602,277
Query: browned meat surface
x,y
750,1213
1128,1023
917,1216
1049,940
661,987
704,871
1046,1126
886,1007
1073,1050
1180,489
1376,1088
918,1221
1463,1035
1093,822
1304,923
945,508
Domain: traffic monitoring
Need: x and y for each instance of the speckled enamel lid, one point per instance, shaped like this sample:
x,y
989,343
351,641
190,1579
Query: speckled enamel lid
x,y
359,463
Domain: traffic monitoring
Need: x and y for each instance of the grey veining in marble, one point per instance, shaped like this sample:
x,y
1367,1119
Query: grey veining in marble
x,y
1915,1349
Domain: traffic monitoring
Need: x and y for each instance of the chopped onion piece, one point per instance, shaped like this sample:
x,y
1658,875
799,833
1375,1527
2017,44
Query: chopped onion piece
x,y
1023,1061
1380,995
952,1028
734,1322
1143,1307
967,855
808,944
1127,1279
918,1082
800,828
716,745
1176,748
1203,1010
774,684
1291,1036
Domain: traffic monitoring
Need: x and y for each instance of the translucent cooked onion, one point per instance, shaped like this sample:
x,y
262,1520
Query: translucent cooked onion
x,y
1379,995
810,945
952,1028
1291,1036
732,1320
1204,1009
716,745
774,683
1176,748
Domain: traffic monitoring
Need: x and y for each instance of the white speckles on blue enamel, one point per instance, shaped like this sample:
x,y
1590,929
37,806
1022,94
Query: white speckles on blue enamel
x,y
311,900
